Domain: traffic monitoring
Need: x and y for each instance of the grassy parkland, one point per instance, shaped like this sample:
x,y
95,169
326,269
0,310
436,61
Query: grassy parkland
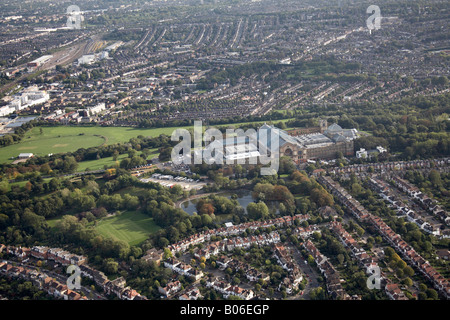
x,y
64,139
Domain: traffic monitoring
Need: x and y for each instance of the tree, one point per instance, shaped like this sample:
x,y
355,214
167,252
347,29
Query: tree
x,y
340,258
401,264
206,209
257,210
408,271
111,266
408,282
167,253
435,178
4,186
321,197
432,294
317,294
206,220
165,154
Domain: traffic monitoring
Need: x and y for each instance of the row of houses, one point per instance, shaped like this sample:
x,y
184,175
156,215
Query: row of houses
x,y
402,209
426,202
229,244
439,282
201,237
333,280
173,290
170,289
344,197
396,165
366,261
252,274
40,280
190,294
115,287
304,233
227,289
334,286
285,259
183,269
58,255
394,292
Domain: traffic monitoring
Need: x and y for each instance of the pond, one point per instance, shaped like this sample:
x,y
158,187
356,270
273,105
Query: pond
x,y
244,197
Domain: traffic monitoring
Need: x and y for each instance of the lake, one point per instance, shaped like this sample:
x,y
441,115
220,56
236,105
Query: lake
x,y
244,197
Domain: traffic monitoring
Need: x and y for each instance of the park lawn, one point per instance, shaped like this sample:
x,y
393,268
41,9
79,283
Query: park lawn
x,y
130,226
24,182
133,191
64,139
90,165
53,222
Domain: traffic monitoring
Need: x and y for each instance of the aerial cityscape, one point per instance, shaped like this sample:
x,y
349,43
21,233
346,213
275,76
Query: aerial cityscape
x,y
254,150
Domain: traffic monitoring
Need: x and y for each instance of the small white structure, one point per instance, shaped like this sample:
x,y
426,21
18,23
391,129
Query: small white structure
x,y
25,155
362,153
380,149
97,108
91,58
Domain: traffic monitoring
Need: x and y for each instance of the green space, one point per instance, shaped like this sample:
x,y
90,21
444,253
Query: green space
x,y
68,139
98,164
130,226
90,165
24,182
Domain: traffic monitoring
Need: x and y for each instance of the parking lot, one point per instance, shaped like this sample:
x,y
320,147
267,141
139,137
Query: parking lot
x,y
170,181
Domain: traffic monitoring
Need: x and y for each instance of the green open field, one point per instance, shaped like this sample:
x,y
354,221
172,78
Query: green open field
x,y
89,165
99,164
130,226
68,139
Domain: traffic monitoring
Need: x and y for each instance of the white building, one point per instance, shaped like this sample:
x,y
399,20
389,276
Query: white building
x,y
25,155
362,153
91,58
29,97
97,108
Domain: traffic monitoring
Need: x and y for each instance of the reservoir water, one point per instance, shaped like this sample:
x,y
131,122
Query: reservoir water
x,y
244,197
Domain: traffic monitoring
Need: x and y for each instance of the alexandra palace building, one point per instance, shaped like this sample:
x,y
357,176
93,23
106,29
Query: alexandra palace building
x,y
323,142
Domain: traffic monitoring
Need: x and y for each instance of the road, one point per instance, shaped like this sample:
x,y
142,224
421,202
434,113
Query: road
x,y
310,273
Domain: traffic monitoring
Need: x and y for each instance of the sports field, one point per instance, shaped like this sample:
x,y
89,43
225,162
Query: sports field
x,y
130,226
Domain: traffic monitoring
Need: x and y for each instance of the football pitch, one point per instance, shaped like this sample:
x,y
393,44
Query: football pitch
x,y
130,226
